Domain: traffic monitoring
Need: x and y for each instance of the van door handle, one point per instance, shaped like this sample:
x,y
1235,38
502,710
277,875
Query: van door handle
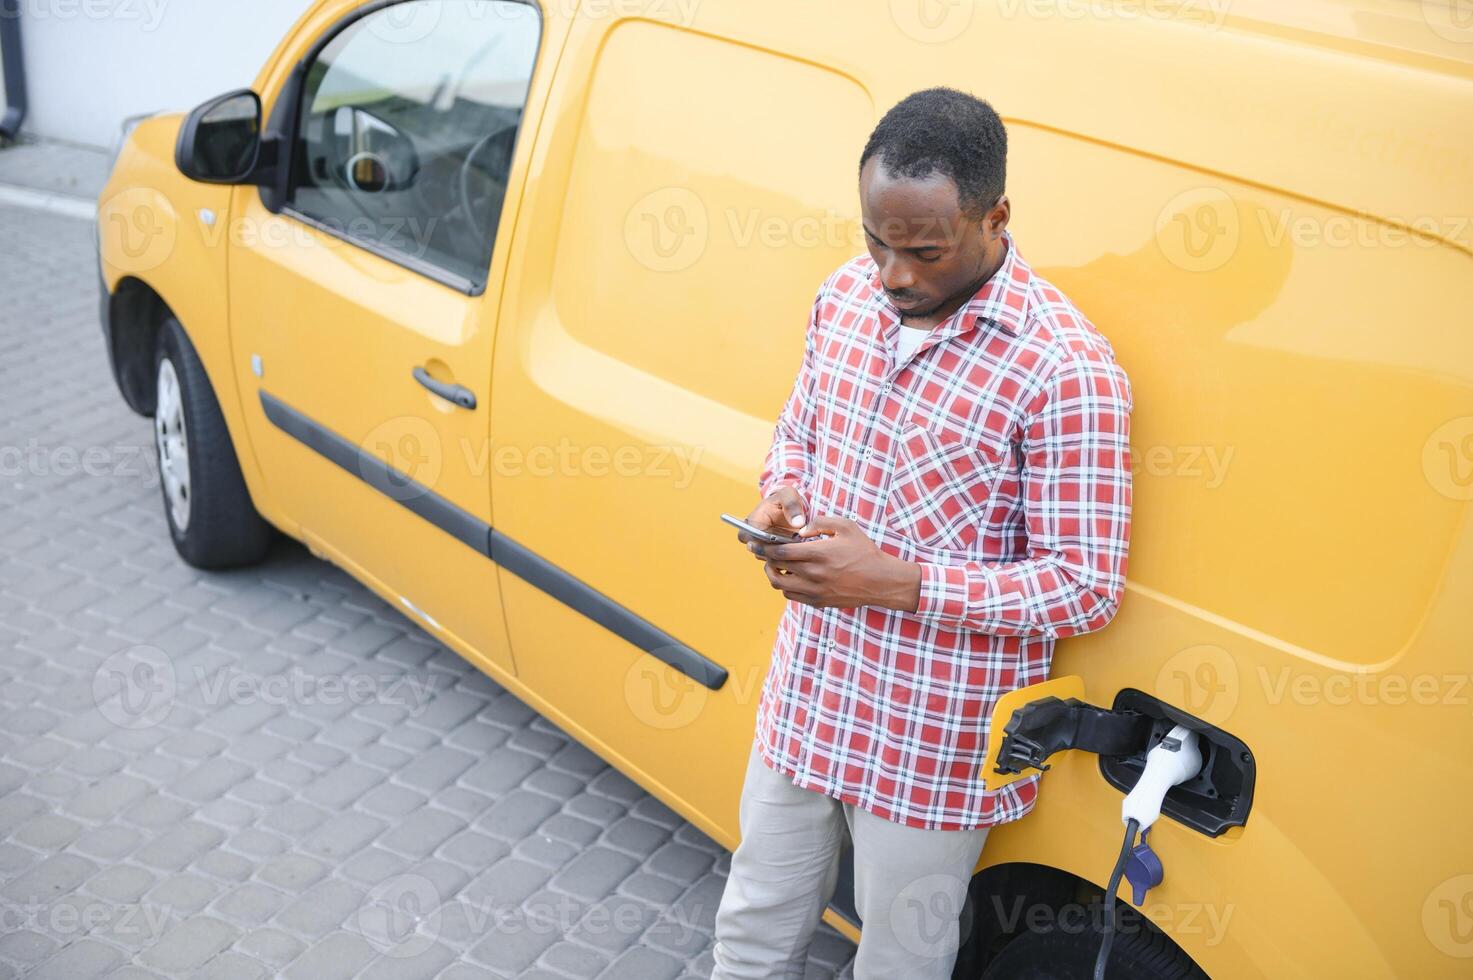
x,y
458,394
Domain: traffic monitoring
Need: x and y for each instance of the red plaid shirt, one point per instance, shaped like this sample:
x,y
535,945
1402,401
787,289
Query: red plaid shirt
x,y
998,458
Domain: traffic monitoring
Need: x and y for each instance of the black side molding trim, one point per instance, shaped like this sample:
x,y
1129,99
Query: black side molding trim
x,y
486,540
450,518
538,571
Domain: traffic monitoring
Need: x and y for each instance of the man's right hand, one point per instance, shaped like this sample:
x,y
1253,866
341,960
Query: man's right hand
x,y
783,508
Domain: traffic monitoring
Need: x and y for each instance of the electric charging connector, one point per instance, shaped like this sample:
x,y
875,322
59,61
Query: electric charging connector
x,y
1174,760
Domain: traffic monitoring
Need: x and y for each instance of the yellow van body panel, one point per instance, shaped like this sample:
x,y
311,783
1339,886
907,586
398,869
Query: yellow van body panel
x,y
1266,211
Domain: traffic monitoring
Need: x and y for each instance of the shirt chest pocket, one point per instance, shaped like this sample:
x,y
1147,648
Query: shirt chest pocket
x,y
941,487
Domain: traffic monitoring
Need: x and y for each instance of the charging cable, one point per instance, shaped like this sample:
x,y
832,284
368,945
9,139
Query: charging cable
x,y
1174,760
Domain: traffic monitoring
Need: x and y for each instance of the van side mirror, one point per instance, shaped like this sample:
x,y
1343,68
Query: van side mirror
x,y
220,141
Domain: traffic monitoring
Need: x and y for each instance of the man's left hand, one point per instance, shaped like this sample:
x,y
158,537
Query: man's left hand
x,y
844,568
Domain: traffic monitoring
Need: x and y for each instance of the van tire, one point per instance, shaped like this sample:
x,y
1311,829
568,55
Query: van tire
x,y
212,521
1141,954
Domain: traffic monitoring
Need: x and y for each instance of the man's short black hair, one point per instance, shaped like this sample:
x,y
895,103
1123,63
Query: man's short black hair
x,y
942,130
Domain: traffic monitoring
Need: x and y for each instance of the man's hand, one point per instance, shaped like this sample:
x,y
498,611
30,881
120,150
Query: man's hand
x,y
842,568
782,510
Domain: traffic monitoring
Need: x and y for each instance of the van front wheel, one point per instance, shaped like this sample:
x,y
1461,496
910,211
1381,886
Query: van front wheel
x,y
211,518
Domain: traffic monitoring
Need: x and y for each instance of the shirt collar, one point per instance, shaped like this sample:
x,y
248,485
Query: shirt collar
x,y
1002,299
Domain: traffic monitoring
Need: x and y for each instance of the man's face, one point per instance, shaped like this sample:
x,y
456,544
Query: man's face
x,y
931,256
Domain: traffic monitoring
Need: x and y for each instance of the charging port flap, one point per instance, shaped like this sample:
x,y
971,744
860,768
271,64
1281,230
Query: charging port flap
x,y
1218,797
1037,723
995,773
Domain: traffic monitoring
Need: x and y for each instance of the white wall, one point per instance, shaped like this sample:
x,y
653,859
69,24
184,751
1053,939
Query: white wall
x,y
92,63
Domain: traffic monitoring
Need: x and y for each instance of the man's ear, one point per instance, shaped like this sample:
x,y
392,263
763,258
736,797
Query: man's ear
x,y
997,218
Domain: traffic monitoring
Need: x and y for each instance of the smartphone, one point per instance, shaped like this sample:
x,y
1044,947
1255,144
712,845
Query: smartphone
x,y
765,535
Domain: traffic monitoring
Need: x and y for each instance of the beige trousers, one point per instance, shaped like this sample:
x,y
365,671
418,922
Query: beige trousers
x,y
909,885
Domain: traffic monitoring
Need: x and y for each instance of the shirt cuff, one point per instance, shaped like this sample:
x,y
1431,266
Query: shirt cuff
x,y
943,593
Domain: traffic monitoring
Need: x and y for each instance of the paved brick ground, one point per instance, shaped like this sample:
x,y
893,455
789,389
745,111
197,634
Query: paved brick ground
x,y
271,771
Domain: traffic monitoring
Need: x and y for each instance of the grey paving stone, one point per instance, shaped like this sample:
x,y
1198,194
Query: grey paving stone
x,y
574,960
517,814
293,872
57,875
230,966
249,904
27,946
271,946
121,883
184,894
613,924
595,873
189,945
679,863
418,834
81,960
420,966
337,957
343,834
642,963
321,908
636,836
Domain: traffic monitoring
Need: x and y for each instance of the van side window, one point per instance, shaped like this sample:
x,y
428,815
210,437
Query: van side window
x,y
409,117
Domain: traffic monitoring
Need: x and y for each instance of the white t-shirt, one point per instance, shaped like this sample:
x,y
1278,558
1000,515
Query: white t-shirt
x,y
910,339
